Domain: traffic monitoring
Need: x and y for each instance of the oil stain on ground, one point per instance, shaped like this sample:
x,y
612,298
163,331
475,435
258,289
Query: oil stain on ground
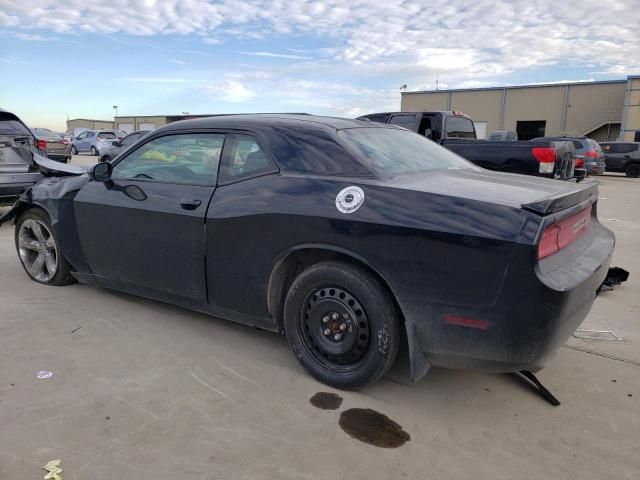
x,y
373,428
326,401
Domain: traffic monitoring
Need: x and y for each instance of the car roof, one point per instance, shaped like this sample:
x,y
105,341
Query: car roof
x,y
259,121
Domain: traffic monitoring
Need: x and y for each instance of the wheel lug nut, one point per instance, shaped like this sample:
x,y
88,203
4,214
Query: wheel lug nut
x,y
343,327
334,316
325,319
327,331
337,336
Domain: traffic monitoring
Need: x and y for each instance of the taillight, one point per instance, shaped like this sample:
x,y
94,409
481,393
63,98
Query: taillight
x,y
591,154
557,236
64,141
546,157
579,161
41,144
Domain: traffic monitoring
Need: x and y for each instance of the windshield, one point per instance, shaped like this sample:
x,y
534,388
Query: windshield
x,y
397,152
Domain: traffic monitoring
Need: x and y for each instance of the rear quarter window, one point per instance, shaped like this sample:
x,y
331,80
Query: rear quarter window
x,y
312,150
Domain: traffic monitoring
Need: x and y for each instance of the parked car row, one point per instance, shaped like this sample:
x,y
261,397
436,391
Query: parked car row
x,y
455,131
559,157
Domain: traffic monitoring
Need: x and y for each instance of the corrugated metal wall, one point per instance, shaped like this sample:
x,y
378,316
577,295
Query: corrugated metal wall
x,y
539,103
590,106
421,102
481,108
578,108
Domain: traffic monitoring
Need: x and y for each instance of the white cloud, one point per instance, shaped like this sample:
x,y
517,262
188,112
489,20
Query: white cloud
x,y
177,62
393,42
29,37
157,80
230,91
480,38
277,55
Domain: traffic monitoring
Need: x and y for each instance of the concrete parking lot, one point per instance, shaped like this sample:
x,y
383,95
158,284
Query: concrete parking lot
x,y
144,390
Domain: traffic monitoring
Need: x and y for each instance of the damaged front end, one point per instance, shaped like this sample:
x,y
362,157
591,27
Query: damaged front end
x,y
59,181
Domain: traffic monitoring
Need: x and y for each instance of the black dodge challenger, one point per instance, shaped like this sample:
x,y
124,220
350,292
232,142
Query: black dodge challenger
x,y
339,233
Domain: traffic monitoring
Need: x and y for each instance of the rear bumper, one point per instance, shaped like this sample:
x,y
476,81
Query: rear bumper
x,y
536,312
13,184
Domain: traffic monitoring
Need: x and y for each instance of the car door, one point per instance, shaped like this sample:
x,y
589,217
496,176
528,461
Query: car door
x,y
144,229
614,156
88,141
79,139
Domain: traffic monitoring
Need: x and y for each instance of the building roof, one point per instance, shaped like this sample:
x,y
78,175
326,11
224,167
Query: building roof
x,y
513,87
89,120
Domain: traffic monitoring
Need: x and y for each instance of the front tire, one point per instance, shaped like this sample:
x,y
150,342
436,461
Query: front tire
x,y
74,150
39,250
341,324
633,170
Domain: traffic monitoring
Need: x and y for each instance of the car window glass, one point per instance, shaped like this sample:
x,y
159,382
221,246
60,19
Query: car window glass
x,y
406,121
395,151
188,158
245,157
130,139
107,135
90,134
460,127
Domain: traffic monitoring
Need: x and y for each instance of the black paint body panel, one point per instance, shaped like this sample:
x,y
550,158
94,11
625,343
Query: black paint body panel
x,y
446,242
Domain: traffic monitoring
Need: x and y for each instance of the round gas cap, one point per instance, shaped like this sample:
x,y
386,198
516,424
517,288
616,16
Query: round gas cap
x,y
349,199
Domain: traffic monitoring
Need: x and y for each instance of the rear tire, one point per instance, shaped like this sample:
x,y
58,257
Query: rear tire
x,y
341,324
39,249
94,152
104,158
633,170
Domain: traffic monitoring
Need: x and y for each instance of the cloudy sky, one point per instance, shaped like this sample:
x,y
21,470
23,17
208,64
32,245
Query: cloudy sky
x,y
81,57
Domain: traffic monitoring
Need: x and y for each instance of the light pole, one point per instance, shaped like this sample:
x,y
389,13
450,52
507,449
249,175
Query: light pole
x,y
115,107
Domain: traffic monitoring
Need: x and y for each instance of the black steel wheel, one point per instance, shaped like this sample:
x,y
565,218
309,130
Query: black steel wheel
x,y
341,324
633,170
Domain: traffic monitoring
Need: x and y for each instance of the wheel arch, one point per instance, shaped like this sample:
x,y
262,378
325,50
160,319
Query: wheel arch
x,y
293,261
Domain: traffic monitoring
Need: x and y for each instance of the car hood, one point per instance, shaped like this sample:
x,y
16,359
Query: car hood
x,y
52,168
537,194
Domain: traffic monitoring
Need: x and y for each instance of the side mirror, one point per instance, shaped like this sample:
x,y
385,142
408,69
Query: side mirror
x,y
101,172
116,143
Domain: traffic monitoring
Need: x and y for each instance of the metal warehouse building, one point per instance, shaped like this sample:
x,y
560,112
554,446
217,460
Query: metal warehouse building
x,y
128,124
607,110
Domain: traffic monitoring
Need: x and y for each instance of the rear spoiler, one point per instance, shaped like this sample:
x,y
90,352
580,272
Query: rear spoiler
x,y
562,201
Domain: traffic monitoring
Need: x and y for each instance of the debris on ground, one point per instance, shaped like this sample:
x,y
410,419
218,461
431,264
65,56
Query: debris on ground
x,y
615,276
54,470
42,374
588,334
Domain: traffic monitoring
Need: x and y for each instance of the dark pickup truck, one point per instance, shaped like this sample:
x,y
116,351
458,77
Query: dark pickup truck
x,y
455,131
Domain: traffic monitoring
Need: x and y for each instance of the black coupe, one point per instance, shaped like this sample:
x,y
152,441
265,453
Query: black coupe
x,y
338,233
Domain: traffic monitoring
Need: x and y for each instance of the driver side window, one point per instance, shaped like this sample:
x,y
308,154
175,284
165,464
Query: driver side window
x,y
190,158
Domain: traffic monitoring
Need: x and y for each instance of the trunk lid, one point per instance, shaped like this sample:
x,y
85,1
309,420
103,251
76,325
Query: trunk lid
x,y
540,195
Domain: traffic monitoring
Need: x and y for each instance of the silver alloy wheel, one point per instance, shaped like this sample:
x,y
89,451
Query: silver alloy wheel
x,y
37,249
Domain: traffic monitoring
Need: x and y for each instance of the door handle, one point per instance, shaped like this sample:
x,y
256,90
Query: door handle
x,y
192,204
